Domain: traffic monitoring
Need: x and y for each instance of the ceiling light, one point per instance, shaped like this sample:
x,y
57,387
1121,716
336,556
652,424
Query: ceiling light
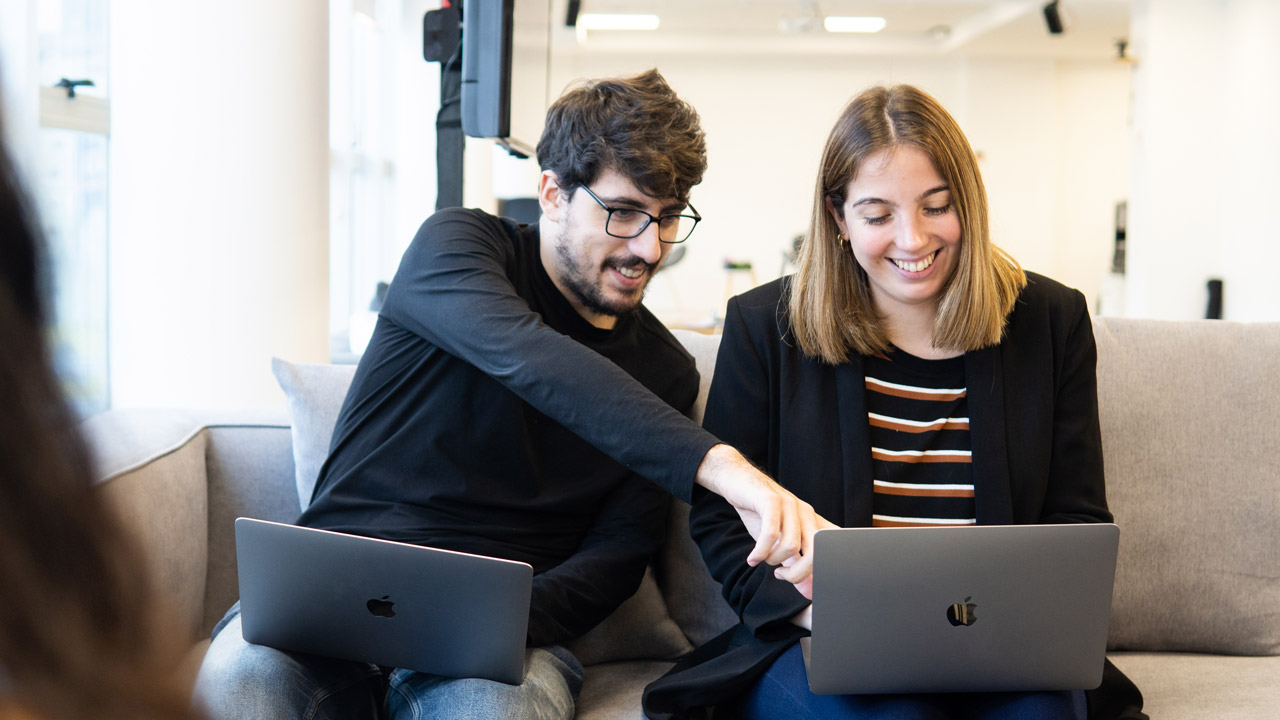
x,y
602,21
834,23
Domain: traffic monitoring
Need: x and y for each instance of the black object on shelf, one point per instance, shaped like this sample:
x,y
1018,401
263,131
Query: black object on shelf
x,y
1214,311
1117,257
71,85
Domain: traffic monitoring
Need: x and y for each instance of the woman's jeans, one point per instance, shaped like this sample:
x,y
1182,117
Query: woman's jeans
x,y
783,692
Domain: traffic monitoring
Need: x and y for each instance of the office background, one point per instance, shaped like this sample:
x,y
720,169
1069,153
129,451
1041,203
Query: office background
x,y
264,164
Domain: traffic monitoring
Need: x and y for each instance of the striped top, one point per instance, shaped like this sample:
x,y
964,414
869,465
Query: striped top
x,y
920,447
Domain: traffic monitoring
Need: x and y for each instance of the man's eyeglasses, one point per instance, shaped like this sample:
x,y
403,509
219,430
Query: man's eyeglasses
x,y
628,222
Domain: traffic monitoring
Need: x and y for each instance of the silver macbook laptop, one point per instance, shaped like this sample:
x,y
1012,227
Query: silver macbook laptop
x,y
387,603
960,609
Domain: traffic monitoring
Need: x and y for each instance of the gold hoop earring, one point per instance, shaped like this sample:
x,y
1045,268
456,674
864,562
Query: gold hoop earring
x,y
841,238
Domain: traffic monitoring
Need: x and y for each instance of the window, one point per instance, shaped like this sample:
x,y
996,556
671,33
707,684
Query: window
x,y
68,176
382,102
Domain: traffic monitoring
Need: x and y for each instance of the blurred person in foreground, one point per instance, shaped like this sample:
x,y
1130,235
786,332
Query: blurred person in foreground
x,y
79,629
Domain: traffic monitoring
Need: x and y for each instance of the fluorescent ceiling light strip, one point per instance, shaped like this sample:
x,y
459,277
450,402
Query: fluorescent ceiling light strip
x,y
603,21
835,23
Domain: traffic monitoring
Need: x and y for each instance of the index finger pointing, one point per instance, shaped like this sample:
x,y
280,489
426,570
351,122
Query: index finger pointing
x,y
770,531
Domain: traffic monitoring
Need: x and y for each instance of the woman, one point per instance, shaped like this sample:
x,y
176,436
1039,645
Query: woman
x,y
901,311
79,631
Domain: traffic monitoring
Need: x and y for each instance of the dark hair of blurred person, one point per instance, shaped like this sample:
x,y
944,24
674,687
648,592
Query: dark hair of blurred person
x,y
79,630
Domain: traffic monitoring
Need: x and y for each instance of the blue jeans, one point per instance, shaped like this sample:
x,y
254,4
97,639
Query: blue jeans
x,y
242,681
783,692
552,680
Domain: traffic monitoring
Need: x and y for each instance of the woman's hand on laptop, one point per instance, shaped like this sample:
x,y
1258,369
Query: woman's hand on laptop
x,y
782,524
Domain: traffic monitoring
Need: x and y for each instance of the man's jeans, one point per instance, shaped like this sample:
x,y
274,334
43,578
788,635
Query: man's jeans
x,y
241,681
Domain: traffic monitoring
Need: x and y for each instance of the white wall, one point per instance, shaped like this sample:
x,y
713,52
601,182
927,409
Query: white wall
x,y
1251,188
1093,113
1205,153
219,198
418,99
1052,136
220,238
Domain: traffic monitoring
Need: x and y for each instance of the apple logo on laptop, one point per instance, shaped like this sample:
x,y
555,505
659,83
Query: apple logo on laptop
x,y
383,607
961,613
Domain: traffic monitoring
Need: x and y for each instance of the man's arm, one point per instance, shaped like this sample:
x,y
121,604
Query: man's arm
x,y
781,524
576,595
452,288
741,409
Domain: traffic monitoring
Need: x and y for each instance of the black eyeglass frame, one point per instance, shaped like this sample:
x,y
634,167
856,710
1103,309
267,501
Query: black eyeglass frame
x,y
696,217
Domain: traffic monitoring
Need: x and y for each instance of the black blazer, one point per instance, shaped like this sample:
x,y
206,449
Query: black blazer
x,y
1037,458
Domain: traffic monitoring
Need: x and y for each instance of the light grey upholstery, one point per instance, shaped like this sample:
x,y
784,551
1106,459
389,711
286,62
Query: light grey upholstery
x,y
1190,415
1188,686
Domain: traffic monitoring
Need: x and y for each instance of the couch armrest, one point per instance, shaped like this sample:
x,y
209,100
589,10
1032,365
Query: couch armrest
x,y
165,470
150,464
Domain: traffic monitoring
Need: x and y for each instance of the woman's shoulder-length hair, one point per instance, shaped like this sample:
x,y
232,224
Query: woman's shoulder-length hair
x,y
830,306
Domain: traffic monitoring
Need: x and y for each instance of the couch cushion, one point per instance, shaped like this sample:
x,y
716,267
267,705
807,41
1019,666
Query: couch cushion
x,y
641,628
1185,686
703,347
179,486
163,501
1189,414
693,597
612,691
251,473
314,394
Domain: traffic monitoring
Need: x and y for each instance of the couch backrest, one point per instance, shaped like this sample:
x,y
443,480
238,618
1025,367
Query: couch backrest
x,y
693,598
1190,415
249,468
180,478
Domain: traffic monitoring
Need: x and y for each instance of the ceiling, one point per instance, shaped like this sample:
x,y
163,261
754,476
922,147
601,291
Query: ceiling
x,y
998,28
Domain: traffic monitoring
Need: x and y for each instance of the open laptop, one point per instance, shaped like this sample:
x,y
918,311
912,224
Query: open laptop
x,y
960,609
387,603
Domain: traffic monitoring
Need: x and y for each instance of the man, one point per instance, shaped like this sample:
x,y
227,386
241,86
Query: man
x,y
516,400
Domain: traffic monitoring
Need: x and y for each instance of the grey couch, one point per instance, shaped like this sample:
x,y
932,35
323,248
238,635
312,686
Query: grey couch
x,y
1191,428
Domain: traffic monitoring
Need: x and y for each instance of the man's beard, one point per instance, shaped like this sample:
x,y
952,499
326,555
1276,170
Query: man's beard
x,y
590,294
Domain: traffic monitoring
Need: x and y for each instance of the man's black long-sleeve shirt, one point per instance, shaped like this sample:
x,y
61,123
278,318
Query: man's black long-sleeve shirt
x,y
487,416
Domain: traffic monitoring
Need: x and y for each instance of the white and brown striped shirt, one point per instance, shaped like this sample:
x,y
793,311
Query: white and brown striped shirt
x,y
920,448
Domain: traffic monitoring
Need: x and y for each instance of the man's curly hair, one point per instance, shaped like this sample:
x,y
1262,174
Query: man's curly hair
x,y
636,126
